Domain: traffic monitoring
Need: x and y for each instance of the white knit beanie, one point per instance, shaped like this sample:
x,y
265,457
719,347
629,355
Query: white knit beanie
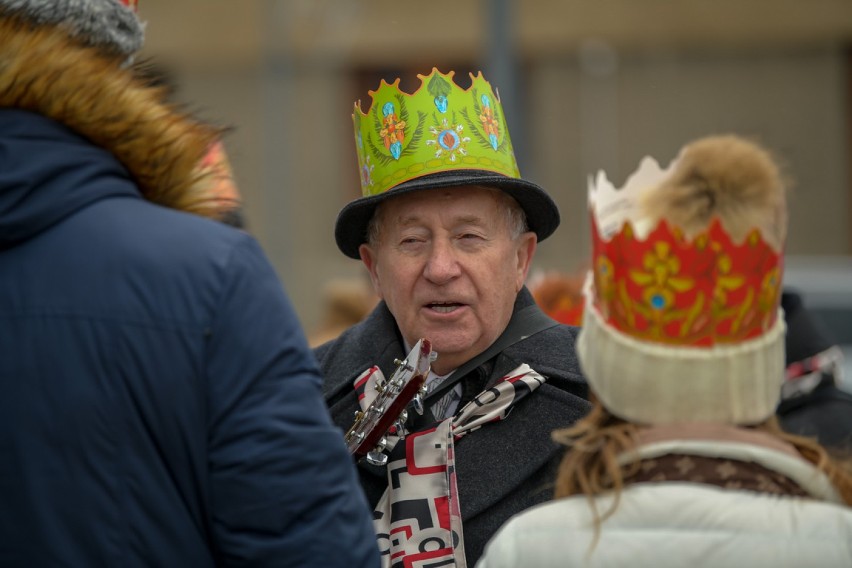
x,y
682,320
111,25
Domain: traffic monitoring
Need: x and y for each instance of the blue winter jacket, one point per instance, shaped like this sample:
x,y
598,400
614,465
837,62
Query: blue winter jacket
x,y
159,405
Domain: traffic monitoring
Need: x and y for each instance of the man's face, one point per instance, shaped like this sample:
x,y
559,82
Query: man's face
x,y
448,268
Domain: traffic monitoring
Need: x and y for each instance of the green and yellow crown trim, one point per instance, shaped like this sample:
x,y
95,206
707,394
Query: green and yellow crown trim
x,y
438,128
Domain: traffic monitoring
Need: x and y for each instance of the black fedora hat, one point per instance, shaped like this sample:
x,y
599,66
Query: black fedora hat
x,y
350,230
439,136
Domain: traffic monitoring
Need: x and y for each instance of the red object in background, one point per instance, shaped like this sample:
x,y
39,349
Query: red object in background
x,y
560,296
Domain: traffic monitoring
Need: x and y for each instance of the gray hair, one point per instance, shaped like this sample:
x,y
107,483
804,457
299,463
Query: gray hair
x,y
516,218
105,24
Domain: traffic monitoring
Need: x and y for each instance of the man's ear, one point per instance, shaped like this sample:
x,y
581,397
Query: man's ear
x,y
368,257
527,244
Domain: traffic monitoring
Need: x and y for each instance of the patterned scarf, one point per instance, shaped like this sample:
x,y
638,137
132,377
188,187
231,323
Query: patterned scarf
x,y
418,519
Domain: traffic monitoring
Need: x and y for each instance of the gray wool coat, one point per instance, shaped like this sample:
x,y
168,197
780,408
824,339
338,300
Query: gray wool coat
x,y
502,468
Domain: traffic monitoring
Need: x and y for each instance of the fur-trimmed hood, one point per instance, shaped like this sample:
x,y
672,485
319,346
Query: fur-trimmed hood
x,y
45,71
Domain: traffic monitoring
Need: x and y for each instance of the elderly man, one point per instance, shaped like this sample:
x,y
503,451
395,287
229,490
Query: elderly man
x,y
447,230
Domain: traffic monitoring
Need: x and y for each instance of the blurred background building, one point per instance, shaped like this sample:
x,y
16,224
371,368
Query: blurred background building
x,y
585,85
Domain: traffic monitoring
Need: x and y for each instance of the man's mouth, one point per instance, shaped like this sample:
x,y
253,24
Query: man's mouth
x,y
444,307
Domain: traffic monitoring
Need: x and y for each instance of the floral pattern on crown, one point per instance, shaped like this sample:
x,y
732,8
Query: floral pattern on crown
x,y
440,127
653,284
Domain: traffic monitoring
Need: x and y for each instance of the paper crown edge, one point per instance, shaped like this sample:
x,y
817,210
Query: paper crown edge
x,y
357,107
602,192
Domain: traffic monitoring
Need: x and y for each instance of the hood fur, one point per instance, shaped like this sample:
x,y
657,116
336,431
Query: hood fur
x,y
44,70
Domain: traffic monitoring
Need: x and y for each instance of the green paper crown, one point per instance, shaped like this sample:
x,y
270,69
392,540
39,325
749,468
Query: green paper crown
x,y
438,128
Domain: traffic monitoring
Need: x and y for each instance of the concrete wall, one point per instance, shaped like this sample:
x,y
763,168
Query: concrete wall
x,y
794,102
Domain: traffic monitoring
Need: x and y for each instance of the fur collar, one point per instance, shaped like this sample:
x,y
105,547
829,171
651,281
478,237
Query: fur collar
x,y
45,71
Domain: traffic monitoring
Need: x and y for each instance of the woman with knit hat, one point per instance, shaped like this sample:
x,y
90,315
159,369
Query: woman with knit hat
x,y
159,405
681,461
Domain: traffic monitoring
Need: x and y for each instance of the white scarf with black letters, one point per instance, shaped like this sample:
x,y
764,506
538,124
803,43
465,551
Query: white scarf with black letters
x,y
418,520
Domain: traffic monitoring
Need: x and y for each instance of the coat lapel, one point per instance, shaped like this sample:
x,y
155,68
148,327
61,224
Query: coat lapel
x,y
493,461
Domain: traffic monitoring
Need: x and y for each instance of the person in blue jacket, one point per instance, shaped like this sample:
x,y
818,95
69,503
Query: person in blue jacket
x,y
159,405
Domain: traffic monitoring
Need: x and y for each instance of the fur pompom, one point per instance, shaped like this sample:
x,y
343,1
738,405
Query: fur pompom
x,y
727,177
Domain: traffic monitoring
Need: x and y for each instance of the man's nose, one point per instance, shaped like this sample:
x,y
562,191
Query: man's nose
x,y
442,264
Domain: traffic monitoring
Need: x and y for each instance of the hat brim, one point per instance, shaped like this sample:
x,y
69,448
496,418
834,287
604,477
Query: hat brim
x,y
350,229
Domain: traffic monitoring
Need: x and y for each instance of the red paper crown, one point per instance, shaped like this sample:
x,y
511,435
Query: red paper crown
x,y
132,4
665,288
698,293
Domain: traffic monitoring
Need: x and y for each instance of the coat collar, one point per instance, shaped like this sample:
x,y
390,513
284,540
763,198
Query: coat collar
x,y
522,441
374,341
734,443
